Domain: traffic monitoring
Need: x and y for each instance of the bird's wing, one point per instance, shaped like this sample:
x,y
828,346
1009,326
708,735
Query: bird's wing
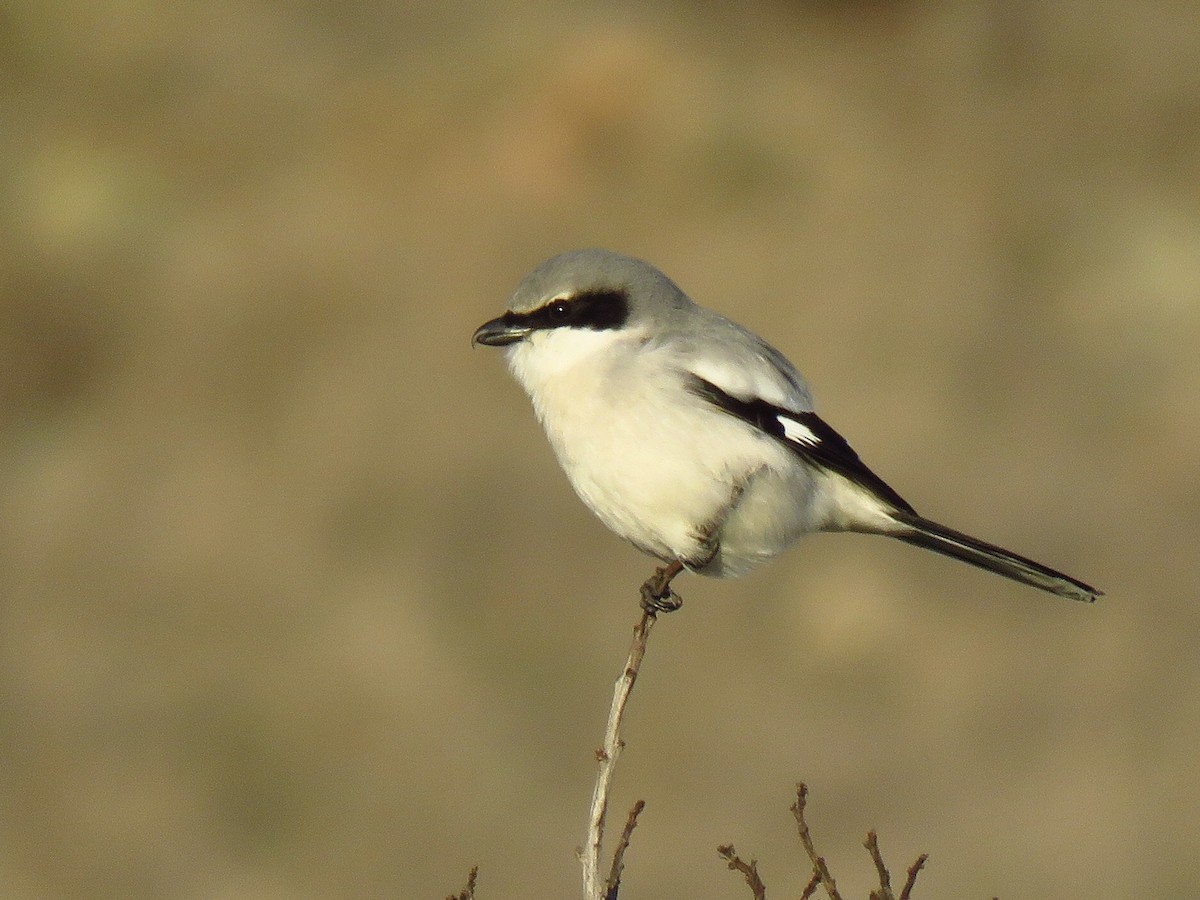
x,y
741,364
752,381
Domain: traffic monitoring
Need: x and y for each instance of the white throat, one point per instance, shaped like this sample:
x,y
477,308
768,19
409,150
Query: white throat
x,y
547,359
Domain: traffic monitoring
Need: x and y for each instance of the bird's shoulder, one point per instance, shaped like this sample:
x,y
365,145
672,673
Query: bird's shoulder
x,y
738,362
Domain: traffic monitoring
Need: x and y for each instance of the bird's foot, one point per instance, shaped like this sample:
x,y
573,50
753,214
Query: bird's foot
x,y
657,596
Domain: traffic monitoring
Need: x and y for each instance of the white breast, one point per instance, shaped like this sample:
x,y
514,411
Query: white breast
x,y
654,463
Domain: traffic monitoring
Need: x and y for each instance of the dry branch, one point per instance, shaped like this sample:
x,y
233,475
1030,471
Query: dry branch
x,y
749,870
885,877
820,872
467,893
613,885
594,886
818,862
913,871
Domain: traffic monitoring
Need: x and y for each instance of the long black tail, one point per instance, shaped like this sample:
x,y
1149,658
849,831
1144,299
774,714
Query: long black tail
x,y
922,532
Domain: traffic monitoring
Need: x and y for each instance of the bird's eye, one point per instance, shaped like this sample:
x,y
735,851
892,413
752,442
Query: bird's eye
x,y
560,311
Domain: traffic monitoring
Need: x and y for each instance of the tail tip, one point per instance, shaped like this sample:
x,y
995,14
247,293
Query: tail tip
x,y
1077,590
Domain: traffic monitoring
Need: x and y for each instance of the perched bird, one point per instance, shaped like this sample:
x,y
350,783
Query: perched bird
x,y
691,437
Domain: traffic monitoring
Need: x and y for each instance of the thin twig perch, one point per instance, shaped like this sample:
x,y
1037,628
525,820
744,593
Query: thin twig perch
x,y
595,886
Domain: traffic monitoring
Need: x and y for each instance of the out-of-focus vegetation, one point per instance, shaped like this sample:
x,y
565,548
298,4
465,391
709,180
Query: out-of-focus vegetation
x,y
293,599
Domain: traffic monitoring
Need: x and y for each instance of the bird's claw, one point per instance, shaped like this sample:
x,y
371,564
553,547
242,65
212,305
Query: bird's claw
x,y
657,596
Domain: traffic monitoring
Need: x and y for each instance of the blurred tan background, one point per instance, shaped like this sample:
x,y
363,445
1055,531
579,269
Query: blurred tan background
x,y
295,601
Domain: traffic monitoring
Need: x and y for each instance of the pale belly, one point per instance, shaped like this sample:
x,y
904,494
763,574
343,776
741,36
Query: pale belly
x,y
722,504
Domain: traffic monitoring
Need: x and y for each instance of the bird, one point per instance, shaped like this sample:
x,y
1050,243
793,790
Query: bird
x,y
694,439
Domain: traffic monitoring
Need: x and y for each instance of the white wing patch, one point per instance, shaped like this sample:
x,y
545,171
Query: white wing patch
x,y
797,431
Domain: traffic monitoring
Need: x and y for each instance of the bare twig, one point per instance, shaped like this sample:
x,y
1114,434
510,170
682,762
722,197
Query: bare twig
x,y
749,870
467,893
595,887
821,876
913,871
885,877
818,862
613,885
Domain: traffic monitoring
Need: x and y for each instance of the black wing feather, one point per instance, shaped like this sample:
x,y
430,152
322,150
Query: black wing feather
x,y
829,450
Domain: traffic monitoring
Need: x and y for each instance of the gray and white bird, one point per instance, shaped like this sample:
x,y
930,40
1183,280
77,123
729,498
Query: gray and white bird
x,y
691,437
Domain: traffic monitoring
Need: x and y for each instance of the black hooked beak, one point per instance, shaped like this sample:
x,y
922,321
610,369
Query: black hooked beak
x,y
502,331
